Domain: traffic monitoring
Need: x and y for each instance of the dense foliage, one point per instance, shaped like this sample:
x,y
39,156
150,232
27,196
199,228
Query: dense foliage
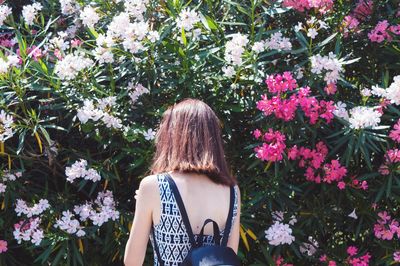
x,y
307,91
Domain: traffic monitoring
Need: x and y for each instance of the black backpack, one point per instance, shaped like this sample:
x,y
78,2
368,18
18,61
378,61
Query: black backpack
x,y
199,255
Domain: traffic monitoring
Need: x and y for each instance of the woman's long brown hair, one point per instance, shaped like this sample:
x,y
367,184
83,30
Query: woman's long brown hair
x,y
189,140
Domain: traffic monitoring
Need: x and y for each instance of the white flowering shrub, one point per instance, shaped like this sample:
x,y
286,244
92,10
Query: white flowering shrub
x,y
307,93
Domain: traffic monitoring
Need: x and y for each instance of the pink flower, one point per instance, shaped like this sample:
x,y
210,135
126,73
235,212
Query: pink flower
x,y
273,149
363,9
280,83
257,133
323,258
321,6
341,185
396,256
3,246
76,43
330,88
334,171
364,185
395,133
379,33
352,250
332,263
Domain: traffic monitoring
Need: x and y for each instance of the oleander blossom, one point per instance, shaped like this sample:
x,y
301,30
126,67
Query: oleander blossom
x,y
363,117
69,7
235,48
135,91
392,158
29,230
99,112
100,211
187,19
6,124
383,31
273,147
71,65
136,8
328,65
309,248
5,11
355,260
79,169
3,246
394,134
321,6
386,228
69,224
89,16
279,234
29,12
37,209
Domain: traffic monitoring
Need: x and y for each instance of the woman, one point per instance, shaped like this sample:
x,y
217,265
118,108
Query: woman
x,y
188,148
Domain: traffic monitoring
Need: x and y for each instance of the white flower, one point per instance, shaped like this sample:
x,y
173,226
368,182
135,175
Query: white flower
x,y
29,12
2,188
392,93
5,11
89,17
312,33
258,47
330,64
298,27
6,122
136,8
149,134
278,42
117,27
235,48
79,170
71,65
103,55
22,208
136,91
69,7
341,111
279,234
153,36
378,91
186,19
229,71
69,224
353,214
366,92
363,116
111,121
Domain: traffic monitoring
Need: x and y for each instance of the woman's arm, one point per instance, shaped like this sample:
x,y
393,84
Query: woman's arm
x,y
135,249
233,241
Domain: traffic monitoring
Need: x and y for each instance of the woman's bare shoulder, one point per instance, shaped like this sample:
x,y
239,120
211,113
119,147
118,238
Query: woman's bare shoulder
x,y
148,186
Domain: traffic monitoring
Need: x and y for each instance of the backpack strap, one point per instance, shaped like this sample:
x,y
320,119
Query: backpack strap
x,y
182,209
161,262
217,237
228,223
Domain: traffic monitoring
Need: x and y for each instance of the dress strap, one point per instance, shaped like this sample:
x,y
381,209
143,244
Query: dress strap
x,y
182,209
228,223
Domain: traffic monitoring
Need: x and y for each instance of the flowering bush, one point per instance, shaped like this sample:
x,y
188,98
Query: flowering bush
x,y
307,92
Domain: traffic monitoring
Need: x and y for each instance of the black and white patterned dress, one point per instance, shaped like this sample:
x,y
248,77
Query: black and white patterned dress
x,y
170,233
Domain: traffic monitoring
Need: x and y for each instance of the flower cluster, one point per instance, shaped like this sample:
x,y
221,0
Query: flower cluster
x,y
383,31
279,234
99,112
8,177
29,12
79,170
273,147
3,246
235,48
386,227
187,19
330,65
6,122
394,134
392,157
5,11
360,116
285,108
322,6
391,93
89,16
71,65
29,230
312,27
69,224
99,212
309,247
135,91
38,208
9,62
275,42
